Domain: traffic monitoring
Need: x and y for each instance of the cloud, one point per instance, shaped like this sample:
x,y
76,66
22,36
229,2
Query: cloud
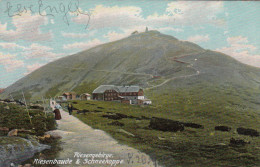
x,y
78,35
27,27
40,51
33,67
195,13
11,46
10,62
163,29
113,36
239,48
176,13
199,38
83,45
115,16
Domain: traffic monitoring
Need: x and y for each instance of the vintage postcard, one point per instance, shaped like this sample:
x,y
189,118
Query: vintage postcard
x,y
129,83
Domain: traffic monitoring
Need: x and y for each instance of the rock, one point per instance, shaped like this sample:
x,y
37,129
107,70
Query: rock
x,y
166,125
27,165
223,128
221,144
53,135
193,125
82,111
117,123
115,116
42,156
97,111
238,142
248,132
4,129
125,132
23,130
146,118
12,132
47,136
121,115
36,106
161,138
7,107
16,150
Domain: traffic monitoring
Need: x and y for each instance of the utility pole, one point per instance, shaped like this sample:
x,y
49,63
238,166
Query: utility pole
x,y
27,108
11,97
43,103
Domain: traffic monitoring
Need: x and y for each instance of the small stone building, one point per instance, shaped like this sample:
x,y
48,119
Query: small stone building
x,y
85,96
70,95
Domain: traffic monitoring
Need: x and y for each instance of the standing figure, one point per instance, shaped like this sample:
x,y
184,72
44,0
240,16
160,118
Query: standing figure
x,y
70,107
58,106
57,114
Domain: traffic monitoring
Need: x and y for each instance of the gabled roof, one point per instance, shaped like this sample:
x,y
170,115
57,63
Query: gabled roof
x,y
103,88
119,89
69,93
85,94
128,88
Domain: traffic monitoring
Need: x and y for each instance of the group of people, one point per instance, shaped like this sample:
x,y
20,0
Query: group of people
x,y
57,110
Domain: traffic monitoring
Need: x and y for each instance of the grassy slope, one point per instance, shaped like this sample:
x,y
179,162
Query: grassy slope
x,y
144,53
192,147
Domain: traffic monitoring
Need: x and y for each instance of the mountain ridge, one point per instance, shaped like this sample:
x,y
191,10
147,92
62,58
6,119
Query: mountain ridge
x,y
136,59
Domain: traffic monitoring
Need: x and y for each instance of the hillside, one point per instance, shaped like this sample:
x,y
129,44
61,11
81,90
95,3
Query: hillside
x,y
185,82
152,60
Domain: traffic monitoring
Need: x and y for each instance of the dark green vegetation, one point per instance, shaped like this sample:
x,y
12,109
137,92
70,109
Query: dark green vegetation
x,y
16,117
192,85
190,147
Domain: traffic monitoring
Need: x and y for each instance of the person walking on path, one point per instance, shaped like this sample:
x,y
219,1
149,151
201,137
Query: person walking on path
x,y
57,114
70,107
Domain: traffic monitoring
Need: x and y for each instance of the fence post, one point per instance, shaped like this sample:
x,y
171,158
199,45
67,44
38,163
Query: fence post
x,y
27,109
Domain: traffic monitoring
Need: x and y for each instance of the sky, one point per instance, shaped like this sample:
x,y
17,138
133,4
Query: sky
x,y
36,32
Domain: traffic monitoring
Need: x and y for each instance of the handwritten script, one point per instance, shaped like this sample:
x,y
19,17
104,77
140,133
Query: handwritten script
x,y
45,10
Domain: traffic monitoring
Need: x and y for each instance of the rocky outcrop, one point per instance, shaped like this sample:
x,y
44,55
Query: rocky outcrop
x,y
193,125
36,106
13,132
116,123
166,125
238,142
115,116
53,134
171,125
248,132
16,150
223,128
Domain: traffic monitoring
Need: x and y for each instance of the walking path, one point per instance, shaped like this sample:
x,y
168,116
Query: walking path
x,y
79,137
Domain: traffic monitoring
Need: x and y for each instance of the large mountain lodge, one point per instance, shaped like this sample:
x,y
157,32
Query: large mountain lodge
x,y
123,94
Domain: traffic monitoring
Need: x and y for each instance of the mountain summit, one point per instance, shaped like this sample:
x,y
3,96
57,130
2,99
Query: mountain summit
x,y
150,59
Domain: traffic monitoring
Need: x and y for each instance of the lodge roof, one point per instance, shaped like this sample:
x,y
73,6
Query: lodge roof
x,y
119,89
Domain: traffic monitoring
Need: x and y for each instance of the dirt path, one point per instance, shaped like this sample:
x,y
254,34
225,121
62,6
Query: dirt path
x,y
79,137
